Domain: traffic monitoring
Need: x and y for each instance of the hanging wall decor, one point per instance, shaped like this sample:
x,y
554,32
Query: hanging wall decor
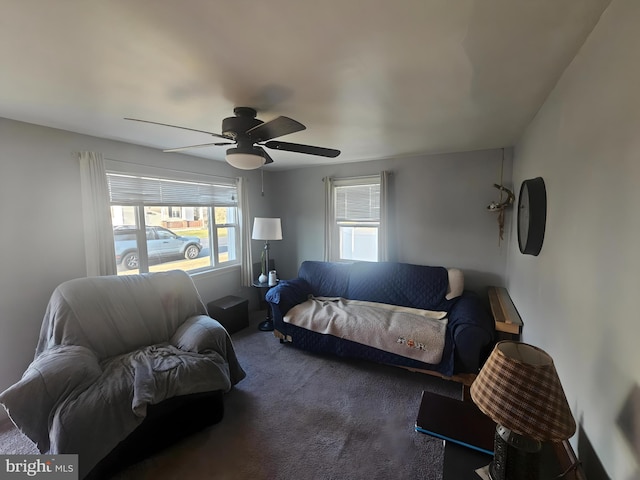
x,y
505,200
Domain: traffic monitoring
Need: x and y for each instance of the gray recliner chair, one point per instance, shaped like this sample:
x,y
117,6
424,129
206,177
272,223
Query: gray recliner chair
x,y
117,356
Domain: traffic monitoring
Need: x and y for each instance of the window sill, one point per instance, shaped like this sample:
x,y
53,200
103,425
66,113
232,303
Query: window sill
x,y
214,272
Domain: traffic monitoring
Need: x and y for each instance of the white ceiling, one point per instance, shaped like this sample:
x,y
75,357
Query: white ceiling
x,y
373,78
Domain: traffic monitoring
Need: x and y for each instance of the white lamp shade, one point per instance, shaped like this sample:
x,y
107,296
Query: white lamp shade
x,y
244,159
266,229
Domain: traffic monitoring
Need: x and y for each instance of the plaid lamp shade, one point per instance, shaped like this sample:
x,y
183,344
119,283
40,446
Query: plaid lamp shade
x,y
519,388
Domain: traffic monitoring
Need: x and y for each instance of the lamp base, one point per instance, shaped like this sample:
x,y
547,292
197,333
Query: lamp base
x,y
516,457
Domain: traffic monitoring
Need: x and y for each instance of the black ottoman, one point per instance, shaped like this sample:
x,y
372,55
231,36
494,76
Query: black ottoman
x,y
232,312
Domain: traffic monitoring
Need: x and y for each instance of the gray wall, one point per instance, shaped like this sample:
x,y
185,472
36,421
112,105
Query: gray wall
x,y
438,207
42,241
578,297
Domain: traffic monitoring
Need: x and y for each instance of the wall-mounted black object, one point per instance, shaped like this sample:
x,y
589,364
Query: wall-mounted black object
x,y
532,215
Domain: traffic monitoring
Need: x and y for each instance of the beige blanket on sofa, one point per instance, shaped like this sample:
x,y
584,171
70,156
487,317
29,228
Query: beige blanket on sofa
x,y
410,332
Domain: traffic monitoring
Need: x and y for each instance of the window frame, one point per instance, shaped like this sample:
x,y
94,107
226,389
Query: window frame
x,y
210,205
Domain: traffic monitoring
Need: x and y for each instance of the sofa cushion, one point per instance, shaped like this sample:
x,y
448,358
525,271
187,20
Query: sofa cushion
x,y
456,283
416,286
327,279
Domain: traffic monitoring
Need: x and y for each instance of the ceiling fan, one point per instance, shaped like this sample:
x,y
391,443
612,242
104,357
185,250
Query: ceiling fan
x,y
250,134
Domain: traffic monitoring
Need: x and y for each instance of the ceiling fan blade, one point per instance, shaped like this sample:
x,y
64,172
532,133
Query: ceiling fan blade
x,y
298,148
179,149
274,128
267,157
176,126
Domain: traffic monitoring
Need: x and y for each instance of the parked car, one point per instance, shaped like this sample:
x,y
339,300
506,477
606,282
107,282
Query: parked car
x,y
162,245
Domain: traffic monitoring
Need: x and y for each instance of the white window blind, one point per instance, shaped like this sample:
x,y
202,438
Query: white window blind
x,y
126,189
358,203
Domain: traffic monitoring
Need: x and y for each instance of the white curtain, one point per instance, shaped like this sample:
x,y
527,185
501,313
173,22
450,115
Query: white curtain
x,y
384,230
246,274
96,215
328,218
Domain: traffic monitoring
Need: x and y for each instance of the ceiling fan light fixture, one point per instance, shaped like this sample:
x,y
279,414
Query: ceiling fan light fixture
x,y
245,158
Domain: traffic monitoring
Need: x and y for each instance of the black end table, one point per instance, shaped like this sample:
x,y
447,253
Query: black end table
x,y
468,440
263,288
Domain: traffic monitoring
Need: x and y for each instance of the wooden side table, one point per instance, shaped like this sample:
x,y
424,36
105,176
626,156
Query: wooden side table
x,y
507,320
468,440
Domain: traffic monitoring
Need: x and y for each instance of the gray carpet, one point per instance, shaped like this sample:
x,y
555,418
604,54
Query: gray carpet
x,y
302,416
13,442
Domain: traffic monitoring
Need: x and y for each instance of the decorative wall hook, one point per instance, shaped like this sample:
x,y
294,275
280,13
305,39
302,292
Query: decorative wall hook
x,y
501,204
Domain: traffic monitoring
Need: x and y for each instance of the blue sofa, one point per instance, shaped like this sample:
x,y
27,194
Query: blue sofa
x,y
469,333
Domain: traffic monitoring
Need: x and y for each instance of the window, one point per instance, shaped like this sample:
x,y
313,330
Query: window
x,y
356,219
161,224
226,232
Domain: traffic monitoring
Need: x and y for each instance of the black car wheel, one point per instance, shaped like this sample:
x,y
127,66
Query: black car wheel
x,y
191,252
131,261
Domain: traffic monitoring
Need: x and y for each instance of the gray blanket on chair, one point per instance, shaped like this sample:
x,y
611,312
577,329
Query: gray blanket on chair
x,y
108,348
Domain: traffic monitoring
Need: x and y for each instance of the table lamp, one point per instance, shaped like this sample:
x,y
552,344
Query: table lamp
x,y
266,229
518,387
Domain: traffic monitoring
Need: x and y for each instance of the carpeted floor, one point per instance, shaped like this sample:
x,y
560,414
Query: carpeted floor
x,y
302,416
13,442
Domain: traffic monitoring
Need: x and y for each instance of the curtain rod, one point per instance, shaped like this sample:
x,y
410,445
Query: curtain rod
x,y
169,169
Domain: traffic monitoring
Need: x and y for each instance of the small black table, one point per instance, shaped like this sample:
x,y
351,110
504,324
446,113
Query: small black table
x,y
468,437
267,324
